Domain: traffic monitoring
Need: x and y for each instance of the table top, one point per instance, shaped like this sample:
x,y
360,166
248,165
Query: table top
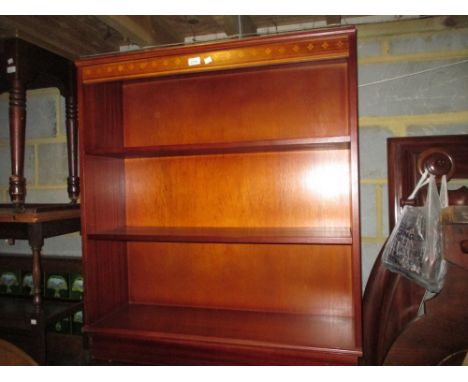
x,y
37,213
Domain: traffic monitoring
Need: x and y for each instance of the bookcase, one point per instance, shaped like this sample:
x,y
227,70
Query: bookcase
x,y
220,212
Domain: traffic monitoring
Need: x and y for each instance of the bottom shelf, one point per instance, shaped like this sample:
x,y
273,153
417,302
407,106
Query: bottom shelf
x,y
222,330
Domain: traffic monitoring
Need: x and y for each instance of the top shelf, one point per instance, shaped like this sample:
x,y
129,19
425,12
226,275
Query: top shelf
x,y
340,142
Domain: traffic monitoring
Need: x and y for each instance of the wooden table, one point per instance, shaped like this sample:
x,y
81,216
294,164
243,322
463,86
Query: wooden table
x,y
19,318
22,325
24,66
36,222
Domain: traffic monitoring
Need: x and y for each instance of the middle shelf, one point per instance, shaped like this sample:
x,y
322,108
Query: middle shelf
x,y
253,235
271,145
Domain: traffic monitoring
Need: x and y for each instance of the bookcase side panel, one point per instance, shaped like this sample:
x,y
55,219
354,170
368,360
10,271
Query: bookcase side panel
x,y
102,199
102,120
106,273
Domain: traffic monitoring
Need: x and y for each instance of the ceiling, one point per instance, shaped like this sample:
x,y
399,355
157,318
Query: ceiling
x,y
79,36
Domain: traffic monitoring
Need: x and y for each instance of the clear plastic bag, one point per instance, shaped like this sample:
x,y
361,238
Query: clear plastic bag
x,y
414,248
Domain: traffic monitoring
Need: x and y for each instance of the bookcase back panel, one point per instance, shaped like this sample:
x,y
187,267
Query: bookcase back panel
x,y
285,278
283,102
284,189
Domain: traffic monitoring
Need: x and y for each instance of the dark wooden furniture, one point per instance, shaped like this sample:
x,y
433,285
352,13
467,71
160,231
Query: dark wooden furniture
x,y
18,314
394,332
11,355
24,66
36,222
220,202
57,334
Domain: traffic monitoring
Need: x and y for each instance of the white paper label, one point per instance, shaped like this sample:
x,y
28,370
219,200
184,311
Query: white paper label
x,y
11,69
208,60
194,61
33,321
10,61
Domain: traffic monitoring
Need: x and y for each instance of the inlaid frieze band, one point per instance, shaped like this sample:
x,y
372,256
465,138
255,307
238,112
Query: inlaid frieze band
x,y
166,62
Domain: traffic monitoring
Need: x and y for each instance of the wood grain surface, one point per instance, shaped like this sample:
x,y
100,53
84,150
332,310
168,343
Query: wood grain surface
x,y
288,189
296,279
282,102
221,202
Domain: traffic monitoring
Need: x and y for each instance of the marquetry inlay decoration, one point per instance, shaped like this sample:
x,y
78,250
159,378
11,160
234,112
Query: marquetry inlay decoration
x,y
165,62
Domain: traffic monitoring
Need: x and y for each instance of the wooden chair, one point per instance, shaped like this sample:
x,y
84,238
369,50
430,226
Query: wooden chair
x,y
399,327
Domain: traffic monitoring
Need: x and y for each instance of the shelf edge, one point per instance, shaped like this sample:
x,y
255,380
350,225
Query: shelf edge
x,y
218,236
338,142
192,339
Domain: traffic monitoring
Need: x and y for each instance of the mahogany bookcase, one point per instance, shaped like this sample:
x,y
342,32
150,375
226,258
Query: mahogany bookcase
x,y
220,202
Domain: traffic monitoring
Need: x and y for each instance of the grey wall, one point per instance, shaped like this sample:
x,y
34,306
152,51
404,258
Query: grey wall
x,y
413,81
45,163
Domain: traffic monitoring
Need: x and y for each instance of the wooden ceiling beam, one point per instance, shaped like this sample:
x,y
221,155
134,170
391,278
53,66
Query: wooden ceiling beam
x,y
163,32
141,30
333,20
130,28
237,25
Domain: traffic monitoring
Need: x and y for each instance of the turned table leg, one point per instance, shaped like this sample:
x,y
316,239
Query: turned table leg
x,y
36,241
37,318
17,111
36,274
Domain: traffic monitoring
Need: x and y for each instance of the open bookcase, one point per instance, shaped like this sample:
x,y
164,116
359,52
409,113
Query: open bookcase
x,y
220,202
